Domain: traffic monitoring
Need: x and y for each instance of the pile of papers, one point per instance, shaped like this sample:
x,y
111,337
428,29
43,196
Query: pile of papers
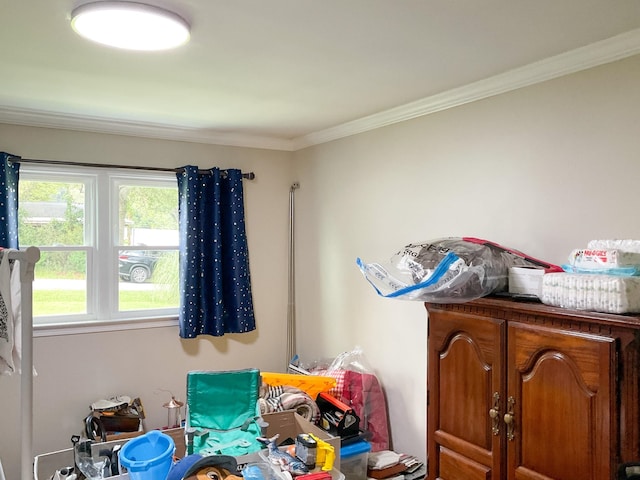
x,y
389,465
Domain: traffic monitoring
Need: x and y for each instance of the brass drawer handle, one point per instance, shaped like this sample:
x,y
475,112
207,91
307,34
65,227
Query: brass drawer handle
x,y
509,418
494,414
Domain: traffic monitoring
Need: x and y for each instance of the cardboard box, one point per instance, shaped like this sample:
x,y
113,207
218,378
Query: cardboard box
x,y
178,438
279,474
289,424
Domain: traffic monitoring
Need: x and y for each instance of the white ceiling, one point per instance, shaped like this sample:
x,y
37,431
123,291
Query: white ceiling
x,y
290,73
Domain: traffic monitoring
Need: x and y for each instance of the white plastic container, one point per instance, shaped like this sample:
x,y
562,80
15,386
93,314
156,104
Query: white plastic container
x,y
526,280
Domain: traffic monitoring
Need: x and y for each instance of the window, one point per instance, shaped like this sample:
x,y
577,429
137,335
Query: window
x,y
108,241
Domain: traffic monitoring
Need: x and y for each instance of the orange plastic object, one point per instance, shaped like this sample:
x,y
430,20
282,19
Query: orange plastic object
x,y
311,384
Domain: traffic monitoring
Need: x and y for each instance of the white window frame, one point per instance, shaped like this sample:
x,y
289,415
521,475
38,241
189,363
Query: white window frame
x,y
102,250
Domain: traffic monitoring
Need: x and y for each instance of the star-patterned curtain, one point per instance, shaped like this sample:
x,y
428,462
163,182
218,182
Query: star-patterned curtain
x,y
215,283
9,173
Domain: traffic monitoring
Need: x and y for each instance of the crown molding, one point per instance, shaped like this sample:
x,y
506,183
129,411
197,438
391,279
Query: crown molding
x,y
595,54
38,118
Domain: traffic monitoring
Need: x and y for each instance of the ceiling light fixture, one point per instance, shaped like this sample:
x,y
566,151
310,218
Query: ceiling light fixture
x,y
130,25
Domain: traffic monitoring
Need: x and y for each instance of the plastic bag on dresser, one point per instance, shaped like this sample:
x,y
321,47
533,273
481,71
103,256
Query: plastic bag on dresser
x,y
448,270
358,386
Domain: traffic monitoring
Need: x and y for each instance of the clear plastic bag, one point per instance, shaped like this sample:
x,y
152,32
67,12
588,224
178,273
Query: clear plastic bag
x,y
447,270
352,360
359,387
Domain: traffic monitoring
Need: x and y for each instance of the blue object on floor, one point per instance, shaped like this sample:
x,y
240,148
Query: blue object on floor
x,y
353,460
355,448
149,456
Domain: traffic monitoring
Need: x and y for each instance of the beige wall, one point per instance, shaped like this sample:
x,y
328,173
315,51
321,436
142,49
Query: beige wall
x,y
543,169
76,370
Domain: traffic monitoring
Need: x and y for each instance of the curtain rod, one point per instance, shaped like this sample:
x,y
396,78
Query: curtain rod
x,y
248,176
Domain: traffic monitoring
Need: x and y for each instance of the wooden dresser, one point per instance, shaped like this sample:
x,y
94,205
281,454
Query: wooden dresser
x,y
525,391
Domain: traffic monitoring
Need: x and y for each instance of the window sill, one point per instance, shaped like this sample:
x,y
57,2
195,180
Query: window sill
x,y
52,330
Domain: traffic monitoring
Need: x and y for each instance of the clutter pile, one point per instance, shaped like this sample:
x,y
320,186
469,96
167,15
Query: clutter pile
x,y
284,397
355,411
603,277
238,426
115,417
355,407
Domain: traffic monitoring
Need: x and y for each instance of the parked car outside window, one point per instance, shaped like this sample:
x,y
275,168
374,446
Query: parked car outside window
x,y
137,265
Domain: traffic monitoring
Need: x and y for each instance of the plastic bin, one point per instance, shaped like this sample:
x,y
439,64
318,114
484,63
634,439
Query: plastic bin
x,y
280,475
353,460
311,384
46,464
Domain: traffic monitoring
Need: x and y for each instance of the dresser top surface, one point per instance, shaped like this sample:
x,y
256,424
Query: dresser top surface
x,y
515,308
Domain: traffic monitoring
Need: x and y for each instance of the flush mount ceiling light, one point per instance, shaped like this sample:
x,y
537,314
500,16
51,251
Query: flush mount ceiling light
x,y
130,25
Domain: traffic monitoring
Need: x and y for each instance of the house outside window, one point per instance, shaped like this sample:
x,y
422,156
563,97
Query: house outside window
x,y
108,241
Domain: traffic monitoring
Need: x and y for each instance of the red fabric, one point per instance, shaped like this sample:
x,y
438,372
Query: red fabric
x,y
337,390
363,392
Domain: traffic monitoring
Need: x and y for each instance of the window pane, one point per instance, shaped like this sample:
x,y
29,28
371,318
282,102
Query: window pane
x,y
148,279
147,215
60,285
51,213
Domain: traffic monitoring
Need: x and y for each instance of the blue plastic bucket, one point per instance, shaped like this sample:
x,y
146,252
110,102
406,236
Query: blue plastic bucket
x,y
149,456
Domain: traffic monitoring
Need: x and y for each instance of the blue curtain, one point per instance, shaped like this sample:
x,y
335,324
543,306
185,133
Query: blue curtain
x,y
9,173
215,284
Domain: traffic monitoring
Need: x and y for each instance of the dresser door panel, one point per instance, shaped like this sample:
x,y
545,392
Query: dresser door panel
x,y
458,467
465,370
561,395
